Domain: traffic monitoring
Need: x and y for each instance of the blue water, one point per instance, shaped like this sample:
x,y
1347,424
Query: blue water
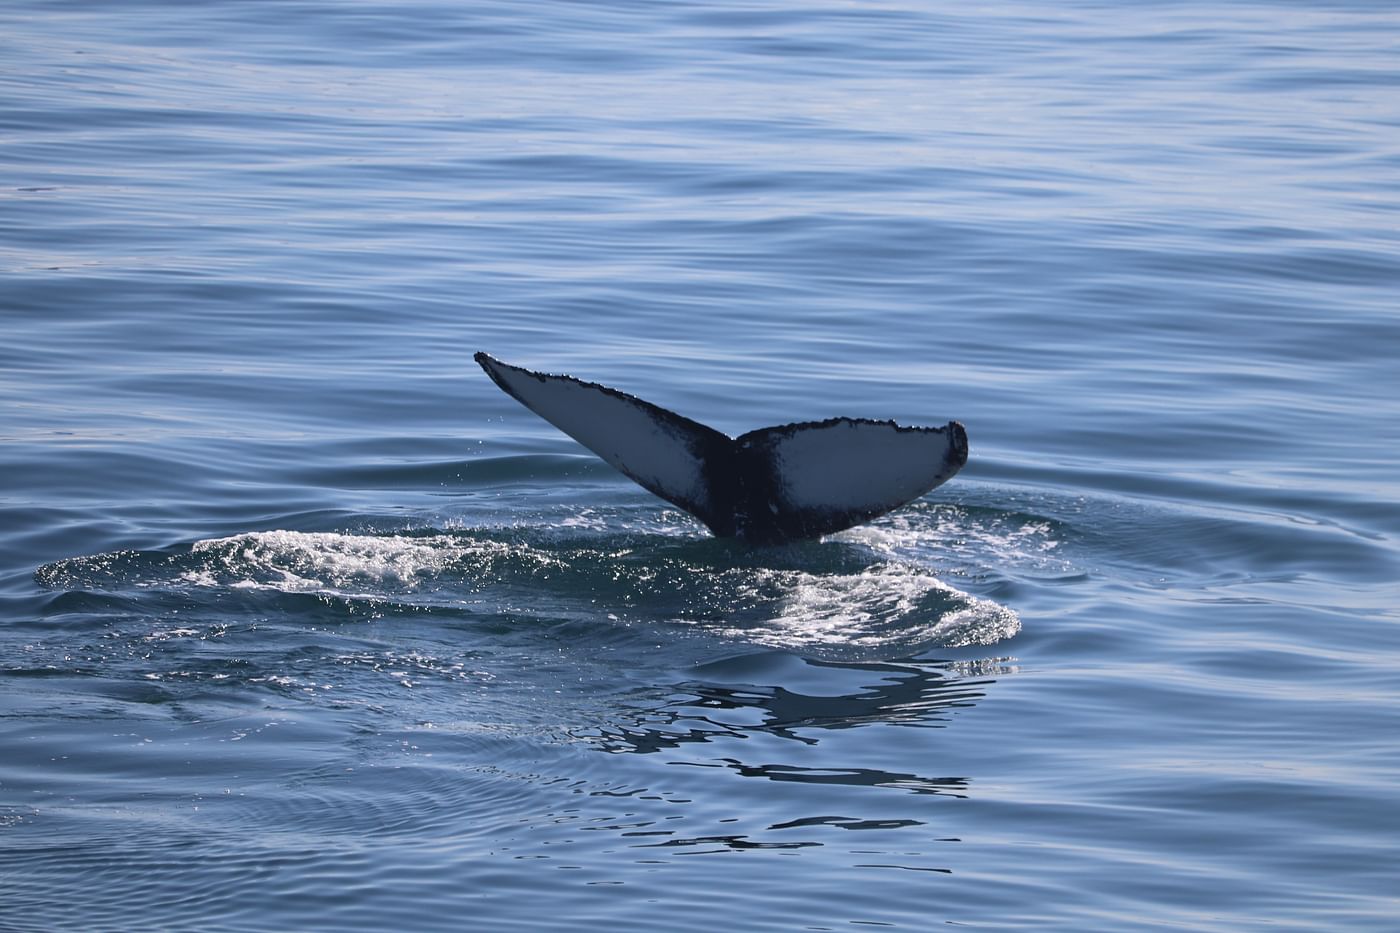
x,y
305,625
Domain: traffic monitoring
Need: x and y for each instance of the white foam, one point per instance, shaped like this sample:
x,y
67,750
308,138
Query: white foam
x,y
954,539
886,604
297,561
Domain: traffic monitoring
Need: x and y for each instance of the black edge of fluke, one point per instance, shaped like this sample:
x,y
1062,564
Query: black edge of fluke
x,y
768,486
957,456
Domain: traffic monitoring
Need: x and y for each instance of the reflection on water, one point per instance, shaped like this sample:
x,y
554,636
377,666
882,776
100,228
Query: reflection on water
x,y
811,732
856,777
912,693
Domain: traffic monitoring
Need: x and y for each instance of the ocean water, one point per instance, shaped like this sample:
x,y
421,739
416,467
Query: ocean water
x,y
305,625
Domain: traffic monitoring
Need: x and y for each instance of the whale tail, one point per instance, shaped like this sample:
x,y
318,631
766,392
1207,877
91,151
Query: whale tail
x,y
768,486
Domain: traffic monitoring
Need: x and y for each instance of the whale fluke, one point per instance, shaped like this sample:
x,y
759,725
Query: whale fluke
x,y
767,486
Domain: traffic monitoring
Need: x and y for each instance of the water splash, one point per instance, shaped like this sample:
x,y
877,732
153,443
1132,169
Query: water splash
x,y
870,590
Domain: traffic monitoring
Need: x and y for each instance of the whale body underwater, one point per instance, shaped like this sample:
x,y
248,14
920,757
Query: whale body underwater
x,y
768,486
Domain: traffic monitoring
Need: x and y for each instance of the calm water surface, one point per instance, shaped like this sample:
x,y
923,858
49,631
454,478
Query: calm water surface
x,y
304,625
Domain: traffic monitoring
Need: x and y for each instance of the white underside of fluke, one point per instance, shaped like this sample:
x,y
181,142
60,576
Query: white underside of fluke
x,y
771,485
857,466
613,426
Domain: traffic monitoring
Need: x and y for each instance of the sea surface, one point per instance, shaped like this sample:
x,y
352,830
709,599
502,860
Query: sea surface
x,y
305,625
